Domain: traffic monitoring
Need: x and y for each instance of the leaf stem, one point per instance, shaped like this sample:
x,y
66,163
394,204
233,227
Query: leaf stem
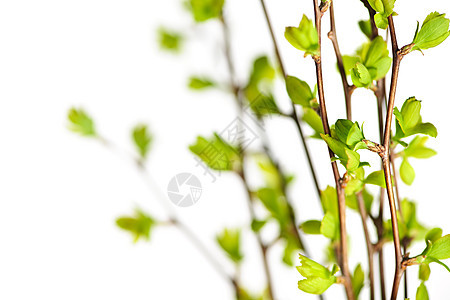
x,y
343,259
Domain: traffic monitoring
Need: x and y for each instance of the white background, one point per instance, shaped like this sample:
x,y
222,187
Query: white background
x,y
60,194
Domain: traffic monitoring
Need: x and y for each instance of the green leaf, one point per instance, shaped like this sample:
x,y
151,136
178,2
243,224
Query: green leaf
x,y
407,173
142,140
257,225
335,145
348,132
409,120
422,293
441,248
230,241
376,178
312,118
262,71
329,226
275,204
366,27
304,37
199,83
433,235
81,123
203,10
417,149
423,128
358,280
299,91
431,259
311,227
328,198
139,225
264,105
434,30
424,271
318,278
350,62
377,58
384,9
169,40
216,153
360,75
411,113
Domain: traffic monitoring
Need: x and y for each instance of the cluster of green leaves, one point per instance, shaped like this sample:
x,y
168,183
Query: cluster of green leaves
x,y
204,10
317,278
384,9
217,153
258,90
139,225
81,123
434,30
345,140
169,40
304,37
371,62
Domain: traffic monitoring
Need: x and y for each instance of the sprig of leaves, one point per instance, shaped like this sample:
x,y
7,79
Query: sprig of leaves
x,y
384,9
317,278
434,30
139,225
304,37
80,122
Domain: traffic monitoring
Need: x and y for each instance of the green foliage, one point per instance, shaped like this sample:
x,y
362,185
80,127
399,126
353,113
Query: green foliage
x,y
230,241
366,27
300,92
440,249
407,173
216,153
311,227
139,225
346,139
204,10
417,149
424,271
81,123
317,278
169,40
329,226
142,140
312,118
200,83
304,37
376,178
259,86
409,120
409,226
422,293
384,9
433,32
371,63
358,280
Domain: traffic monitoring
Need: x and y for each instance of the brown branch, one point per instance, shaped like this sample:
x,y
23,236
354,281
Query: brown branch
x,y
397,57
343,259
348,89
370,247
293,115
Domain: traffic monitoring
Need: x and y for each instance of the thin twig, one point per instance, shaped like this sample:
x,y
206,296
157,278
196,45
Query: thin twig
x,y
241,173
348,89
293,115
370,250
397,56
343,259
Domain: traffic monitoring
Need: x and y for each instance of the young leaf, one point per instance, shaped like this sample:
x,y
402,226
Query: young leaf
x,y
304,37
257,225
422,293
376,178
142,140
424,271
358,280
384,9
433,235
139,225
417,149
433,31
203,10
169,40
360,76
216,153
230,241
407,173
299,91
441,248
318,278
199,83
81,123
311,227
312,118
329,226
366,27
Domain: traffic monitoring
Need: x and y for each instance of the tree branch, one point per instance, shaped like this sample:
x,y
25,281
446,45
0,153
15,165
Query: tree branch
x,y
343,259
